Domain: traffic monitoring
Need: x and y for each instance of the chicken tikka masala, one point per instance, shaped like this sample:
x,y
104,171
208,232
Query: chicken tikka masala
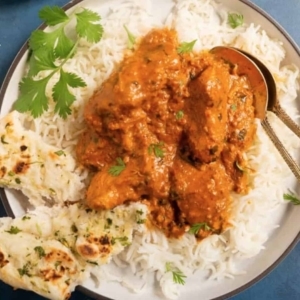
x,y
170,129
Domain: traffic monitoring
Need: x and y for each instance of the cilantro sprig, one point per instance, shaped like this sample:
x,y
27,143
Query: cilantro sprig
x,y
235,20
118,168
195,228
49,52
291,198
178,276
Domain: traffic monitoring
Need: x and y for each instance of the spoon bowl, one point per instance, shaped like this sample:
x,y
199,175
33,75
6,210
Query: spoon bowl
x,y
264,94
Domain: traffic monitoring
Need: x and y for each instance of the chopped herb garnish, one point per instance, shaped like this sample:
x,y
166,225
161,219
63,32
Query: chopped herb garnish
x,y
13,230
11,173
92,262
18,180
25,270
186,47
178,276
131,38
60,153
292,198
156,149
179,115
117,169
26,218
196,227
40,251
235,20
233,107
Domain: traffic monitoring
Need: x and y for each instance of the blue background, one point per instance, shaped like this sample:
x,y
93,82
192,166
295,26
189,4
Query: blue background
x,y
19,17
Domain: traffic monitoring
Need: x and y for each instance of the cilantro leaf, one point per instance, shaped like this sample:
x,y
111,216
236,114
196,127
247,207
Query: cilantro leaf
x,y
53,15
41,60
117,169
32,96
61,94
292,198
186,47
131,38
41,39
196,227
64,45
235,20
86,28
156,149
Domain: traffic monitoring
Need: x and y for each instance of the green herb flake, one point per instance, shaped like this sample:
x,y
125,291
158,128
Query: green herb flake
x,y
117,169
25,270
123,240
11,173
60,153
40,251
13,230
195,228
179,115
292,198
186,47
26,218
18,180
74,228
235,20
131,38
156,149
178,276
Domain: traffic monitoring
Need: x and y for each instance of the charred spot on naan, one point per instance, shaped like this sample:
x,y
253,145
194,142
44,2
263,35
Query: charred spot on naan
x,y
3,260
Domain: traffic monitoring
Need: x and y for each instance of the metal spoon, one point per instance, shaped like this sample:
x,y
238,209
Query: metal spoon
x,y
265,96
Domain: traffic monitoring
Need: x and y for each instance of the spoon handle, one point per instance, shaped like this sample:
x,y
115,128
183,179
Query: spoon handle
x,y
282,150
286,119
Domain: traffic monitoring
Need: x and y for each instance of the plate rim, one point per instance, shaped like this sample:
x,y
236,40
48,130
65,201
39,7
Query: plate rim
x,y
85,290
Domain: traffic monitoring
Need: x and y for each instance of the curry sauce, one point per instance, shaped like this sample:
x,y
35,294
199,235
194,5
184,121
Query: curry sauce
x,y
170,130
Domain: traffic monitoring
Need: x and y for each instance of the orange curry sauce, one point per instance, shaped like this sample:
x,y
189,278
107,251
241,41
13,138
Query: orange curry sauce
x,y
180,123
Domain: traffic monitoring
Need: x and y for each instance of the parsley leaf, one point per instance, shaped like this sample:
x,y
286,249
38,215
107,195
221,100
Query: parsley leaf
x,y
86,28
13,230
61,93
117,169
53,15
235,20
186,47
25,270
178,276
196,227
131,38
156,149
292,198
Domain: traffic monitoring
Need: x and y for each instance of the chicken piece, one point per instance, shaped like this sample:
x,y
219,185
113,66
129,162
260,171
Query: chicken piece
x,y
207,113
203,195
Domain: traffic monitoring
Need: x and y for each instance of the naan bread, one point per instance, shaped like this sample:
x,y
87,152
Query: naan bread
x,y
37,169
52,250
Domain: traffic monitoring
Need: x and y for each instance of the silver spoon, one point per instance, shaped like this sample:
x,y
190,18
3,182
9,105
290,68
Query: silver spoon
x,y
265,96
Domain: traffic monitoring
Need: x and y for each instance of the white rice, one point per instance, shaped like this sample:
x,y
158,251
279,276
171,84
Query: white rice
x,y
252,224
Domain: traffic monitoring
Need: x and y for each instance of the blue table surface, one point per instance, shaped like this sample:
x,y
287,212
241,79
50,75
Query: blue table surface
x,y
19,17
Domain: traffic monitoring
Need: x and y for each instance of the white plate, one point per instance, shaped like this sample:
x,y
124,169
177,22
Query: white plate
x,y
279,244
